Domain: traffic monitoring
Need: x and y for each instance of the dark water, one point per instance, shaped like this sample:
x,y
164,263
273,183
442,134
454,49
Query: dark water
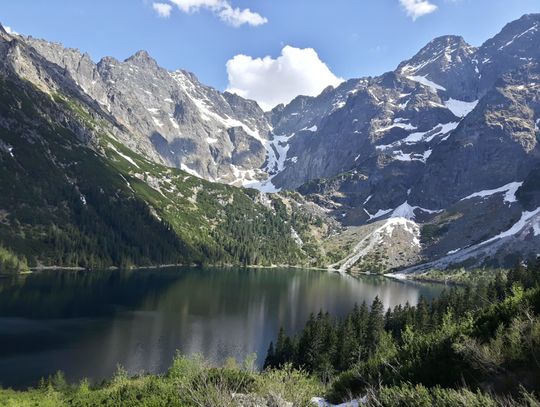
x,y
85,323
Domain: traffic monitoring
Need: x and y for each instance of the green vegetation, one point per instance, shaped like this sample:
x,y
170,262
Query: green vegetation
x,y
462,276
72,195
189,382
11,263
485,336
478,345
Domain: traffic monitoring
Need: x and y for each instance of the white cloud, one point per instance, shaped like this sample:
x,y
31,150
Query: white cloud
x,y
10,31
189,6
162,9
272,81
237,17
223,9
418,8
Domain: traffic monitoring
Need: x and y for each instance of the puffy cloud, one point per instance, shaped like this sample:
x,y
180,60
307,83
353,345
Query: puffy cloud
x,y
10,31
189,6
418,8
223,9
162,9
272,81
237,17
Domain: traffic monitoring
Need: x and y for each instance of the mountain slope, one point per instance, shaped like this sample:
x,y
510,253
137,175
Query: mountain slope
x,y
171,117
74,194
431,163
450,122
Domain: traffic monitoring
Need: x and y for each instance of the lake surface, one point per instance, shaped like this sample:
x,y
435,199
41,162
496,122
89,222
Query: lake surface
x,y
86,323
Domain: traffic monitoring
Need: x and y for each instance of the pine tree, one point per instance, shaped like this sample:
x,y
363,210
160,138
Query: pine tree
x,y
280,351
269,361
375,324
348,347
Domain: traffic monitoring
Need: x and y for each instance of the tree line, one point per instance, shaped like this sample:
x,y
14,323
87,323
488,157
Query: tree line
x,y
478,334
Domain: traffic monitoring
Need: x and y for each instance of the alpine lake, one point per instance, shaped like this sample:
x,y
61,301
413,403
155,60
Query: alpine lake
x,y
87,323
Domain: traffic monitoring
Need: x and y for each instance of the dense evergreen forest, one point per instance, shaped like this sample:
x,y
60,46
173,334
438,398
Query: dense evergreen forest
x,y
485,336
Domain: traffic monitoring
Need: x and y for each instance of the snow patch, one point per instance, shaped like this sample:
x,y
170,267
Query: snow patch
x,y
509,190
263,186
534,28
7,148
125,157
374,239
157,122
414,138
190,171
380,213
426,82
536,229
399,155
405,210
174,123
517,227
404,126
460,108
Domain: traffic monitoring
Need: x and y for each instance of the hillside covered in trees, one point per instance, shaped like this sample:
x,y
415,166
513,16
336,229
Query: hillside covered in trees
x,y
483,337
89,201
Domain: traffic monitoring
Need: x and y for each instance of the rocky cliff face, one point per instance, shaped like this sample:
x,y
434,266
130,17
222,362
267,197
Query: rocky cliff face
x,y
451,122
75,192
447,141
170,116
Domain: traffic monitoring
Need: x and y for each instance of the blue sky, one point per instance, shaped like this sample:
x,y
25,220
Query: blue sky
x,y
353,37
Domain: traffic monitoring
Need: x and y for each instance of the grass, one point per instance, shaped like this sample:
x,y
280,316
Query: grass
x,y
190,381
193,382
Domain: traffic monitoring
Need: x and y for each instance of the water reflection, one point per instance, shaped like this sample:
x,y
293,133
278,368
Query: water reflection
x,y
85,323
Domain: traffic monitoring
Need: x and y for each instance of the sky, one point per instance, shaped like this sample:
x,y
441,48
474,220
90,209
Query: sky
x,y
267,50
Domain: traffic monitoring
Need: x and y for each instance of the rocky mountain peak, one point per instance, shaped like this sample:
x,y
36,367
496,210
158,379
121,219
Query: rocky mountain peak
x,y
142,59
517,36
107,61
514,47
442,52
448,63
4,35
451,122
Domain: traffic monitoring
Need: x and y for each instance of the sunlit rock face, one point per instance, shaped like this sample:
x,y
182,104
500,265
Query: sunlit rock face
x,y
452,121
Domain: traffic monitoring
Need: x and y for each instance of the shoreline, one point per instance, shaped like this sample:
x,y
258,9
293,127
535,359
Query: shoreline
x,y
165,266
393,276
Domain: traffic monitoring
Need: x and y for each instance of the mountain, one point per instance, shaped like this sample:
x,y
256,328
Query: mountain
x,y
445,141
75,194
433,164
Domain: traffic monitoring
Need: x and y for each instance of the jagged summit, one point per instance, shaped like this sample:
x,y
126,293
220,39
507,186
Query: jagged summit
x,y
441,51
518,36
451,122
142,58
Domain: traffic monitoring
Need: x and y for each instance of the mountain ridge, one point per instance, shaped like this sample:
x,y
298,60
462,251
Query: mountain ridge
x,y
450,122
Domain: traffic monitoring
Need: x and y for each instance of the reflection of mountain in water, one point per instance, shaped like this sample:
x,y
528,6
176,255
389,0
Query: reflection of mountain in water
x,y
96,320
